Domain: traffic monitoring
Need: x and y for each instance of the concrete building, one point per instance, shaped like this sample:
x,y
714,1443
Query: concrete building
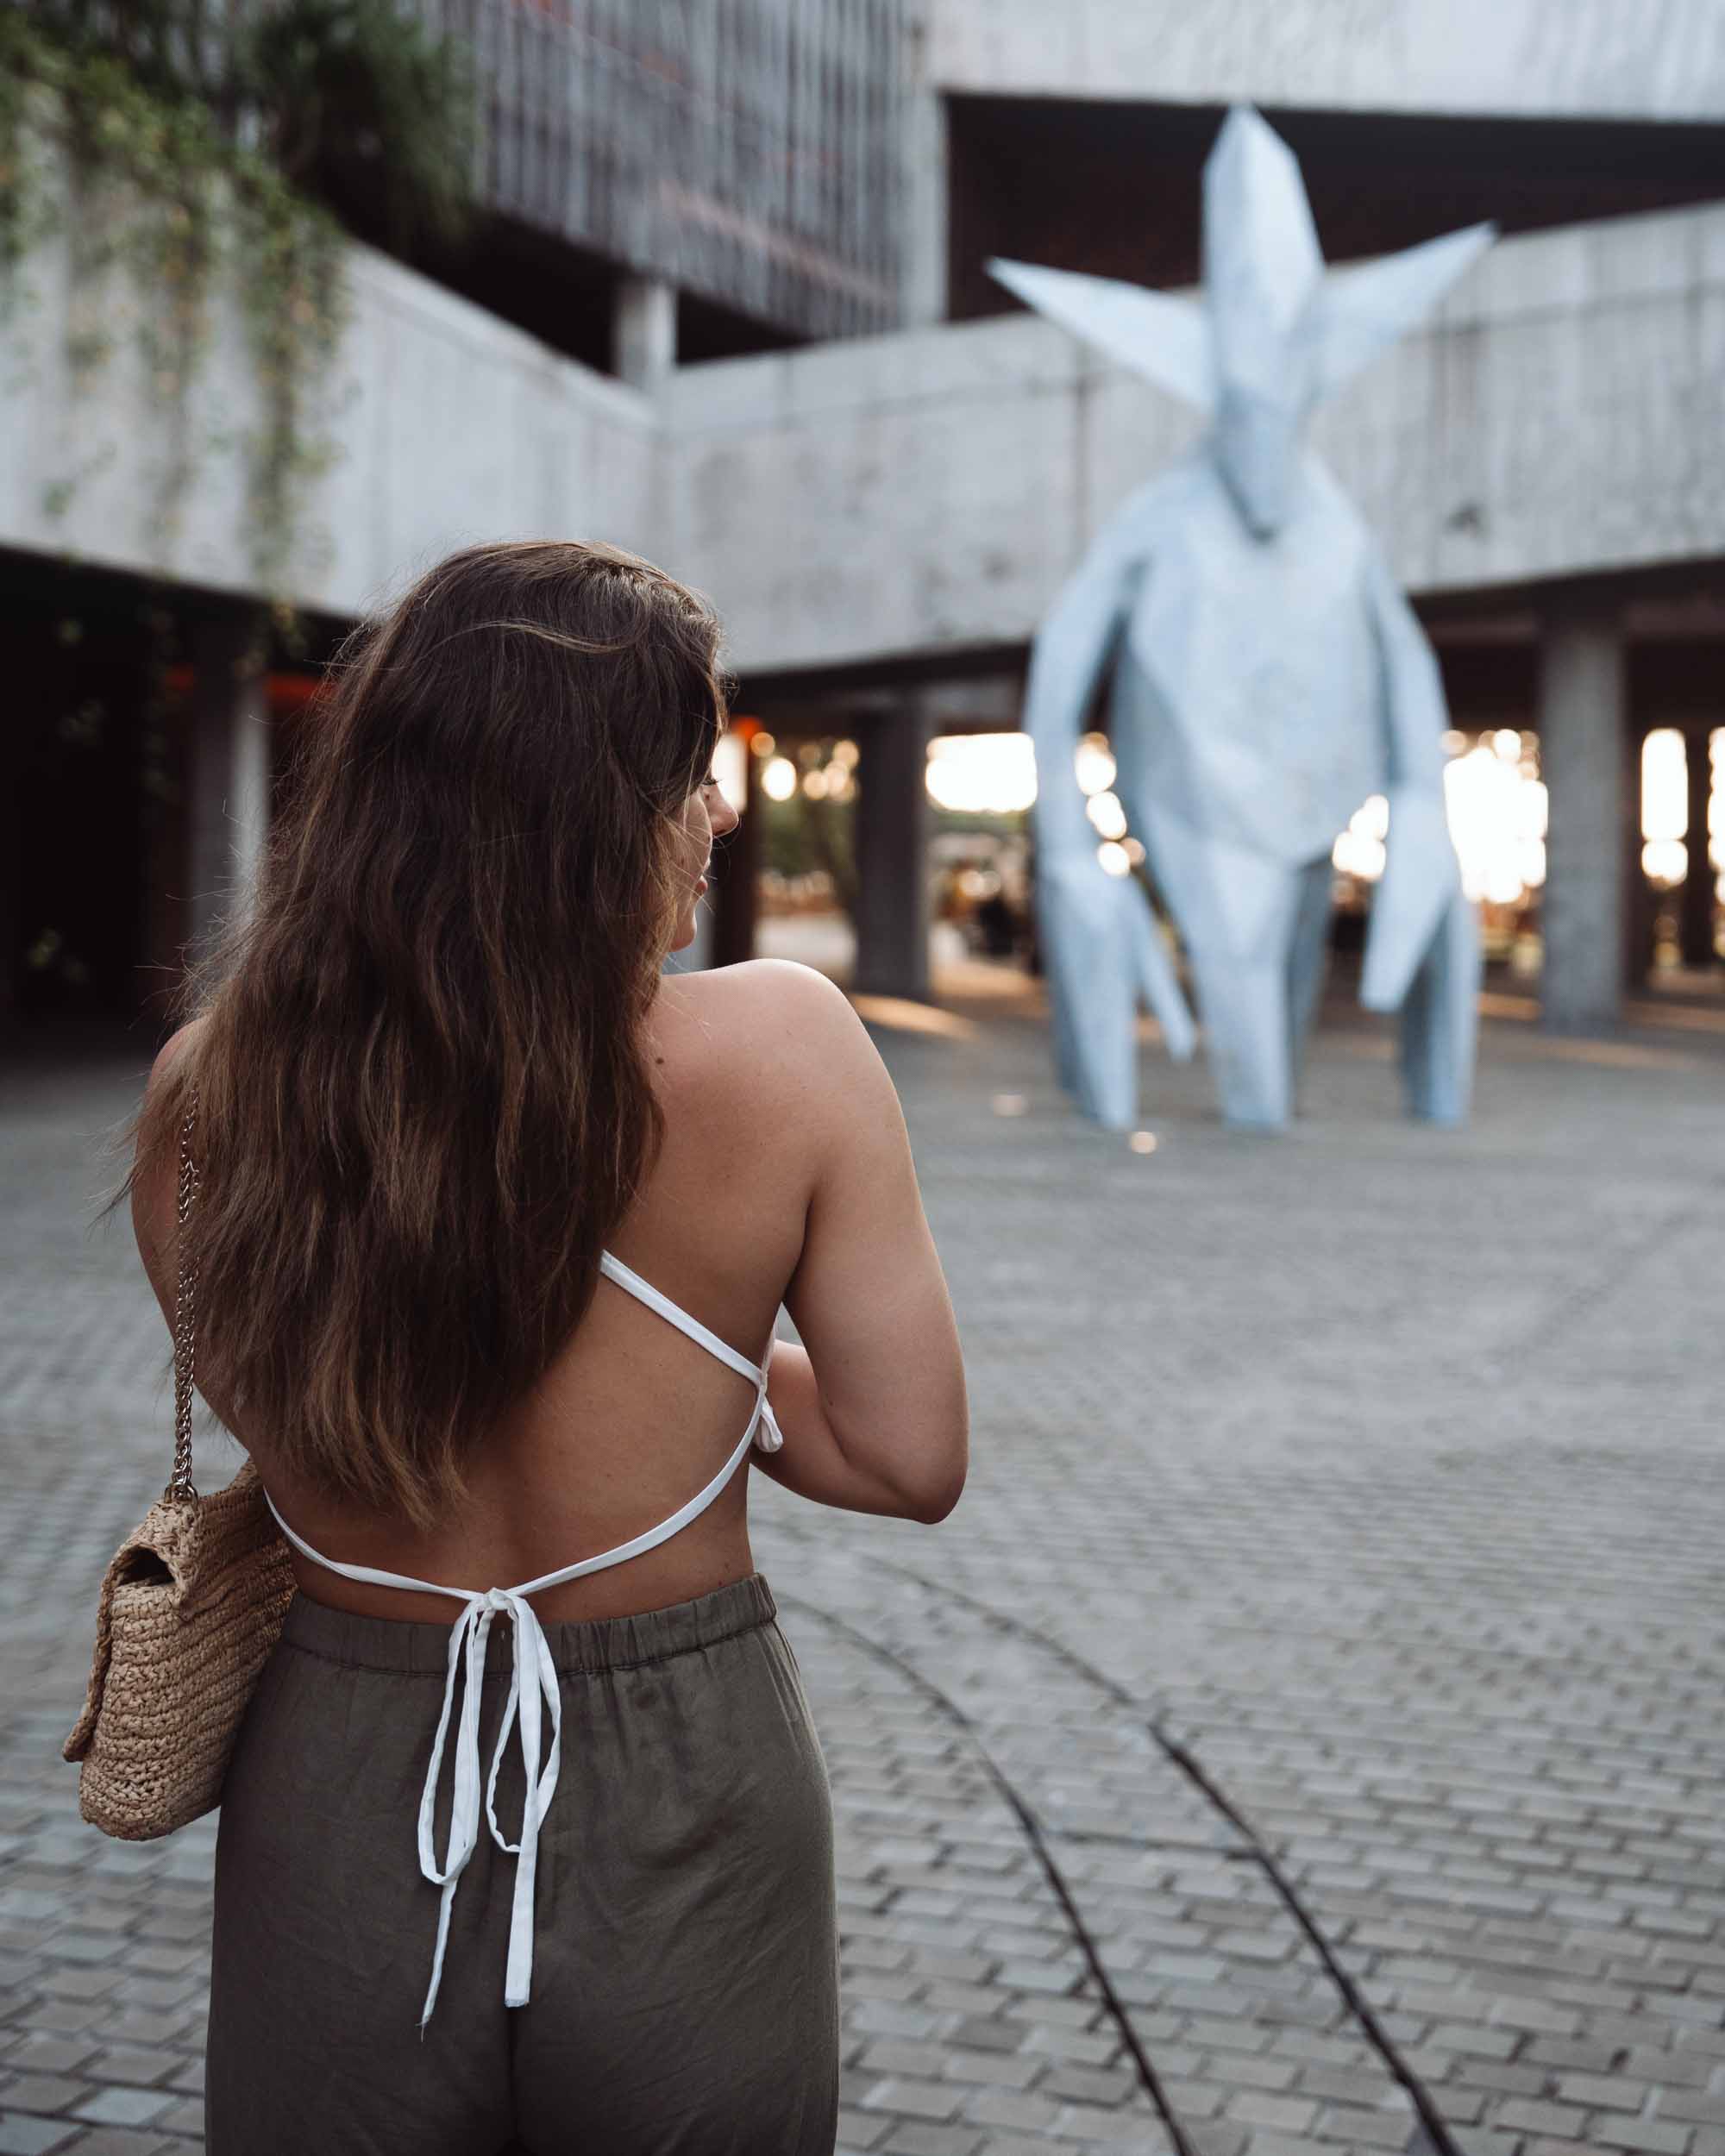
x,y
733,314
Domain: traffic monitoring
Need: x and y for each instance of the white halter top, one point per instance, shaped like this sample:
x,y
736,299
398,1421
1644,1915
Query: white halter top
x,y
533,1680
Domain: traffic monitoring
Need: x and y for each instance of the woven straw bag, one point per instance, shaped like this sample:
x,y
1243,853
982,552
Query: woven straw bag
x,y
193,1602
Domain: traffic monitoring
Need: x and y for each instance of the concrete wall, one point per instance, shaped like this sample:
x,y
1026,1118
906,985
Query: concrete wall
x,y
1565,413
897,495
1655,59
447,425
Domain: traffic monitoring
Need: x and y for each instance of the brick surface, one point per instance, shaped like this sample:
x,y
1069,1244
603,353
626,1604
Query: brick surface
x,y
23,2135
1378,1466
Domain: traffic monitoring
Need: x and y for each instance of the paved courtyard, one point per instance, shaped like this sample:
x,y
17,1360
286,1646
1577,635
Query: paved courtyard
x,y
1321,1684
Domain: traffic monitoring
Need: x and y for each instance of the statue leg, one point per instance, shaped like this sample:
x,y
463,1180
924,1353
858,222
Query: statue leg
x,y
1236,910
1309,958
1441,1018
1244,1008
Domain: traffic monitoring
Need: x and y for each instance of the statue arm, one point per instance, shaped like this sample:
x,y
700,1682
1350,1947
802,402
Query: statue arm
x,y
1421,876
1074,647
1422,950
1101,945
1415,712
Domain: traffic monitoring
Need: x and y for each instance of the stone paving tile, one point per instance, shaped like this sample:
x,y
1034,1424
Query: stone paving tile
x,y
1378,1466
22,2135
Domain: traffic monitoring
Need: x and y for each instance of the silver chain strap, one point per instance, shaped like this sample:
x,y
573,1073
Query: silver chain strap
x,y
185,1312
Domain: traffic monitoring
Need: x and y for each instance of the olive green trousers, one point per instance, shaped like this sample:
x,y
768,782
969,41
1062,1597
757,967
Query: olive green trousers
x,y
684,1994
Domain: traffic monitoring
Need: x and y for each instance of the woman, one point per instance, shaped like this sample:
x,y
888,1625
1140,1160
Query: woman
x,y
493,1222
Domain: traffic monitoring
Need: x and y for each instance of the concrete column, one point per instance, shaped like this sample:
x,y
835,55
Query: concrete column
x,y
923,274
892,914
1695,917
643,331
737,876
1582,724
227,770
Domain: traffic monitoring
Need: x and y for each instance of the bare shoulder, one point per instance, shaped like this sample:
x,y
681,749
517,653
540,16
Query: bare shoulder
x,y
773,1031
171,1051
766,1010
775,986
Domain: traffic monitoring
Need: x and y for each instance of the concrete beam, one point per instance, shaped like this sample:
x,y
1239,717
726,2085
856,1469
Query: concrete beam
x,y
1644,59
443,426
897,497
1563,414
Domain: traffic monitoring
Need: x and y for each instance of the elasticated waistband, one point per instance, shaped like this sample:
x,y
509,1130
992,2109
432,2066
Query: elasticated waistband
x,y
584,1648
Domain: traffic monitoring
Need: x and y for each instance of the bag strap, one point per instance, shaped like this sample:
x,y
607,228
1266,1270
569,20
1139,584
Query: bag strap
x,y
185,1312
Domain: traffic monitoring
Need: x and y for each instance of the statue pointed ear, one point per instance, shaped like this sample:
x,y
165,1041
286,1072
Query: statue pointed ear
x,y
1165,338
1362,310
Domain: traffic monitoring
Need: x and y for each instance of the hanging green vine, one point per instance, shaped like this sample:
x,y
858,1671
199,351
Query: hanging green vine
x,y
134,153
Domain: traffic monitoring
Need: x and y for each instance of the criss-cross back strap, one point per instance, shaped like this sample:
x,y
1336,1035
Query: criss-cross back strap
x,y
533,1681
673,1313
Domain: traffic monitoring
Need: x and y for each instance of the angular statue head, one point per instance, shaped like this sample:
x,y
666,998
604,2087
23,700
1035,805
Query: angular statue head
x,y
1264,278
1272,332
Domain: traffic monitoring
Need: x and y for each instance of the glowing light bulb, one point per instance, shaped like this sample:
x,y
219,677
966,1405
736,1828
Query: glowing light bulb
x,y
1094,761
981,774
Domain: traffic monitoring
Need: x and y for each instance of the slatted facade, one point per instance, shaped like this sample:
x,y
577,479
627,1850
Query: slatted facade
x,y
749,150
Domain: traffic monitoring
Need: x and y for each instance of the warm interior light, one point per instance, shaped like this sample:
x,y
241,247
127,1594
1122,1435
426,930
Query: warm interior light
x,y
1497,807
1715,801
731,768
779,779
1665,786
1094,761
981,774
1359,851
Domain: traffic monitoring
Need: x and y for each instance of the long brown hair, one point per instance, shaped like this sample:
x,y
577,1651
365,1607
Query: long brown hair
x,y
423,1101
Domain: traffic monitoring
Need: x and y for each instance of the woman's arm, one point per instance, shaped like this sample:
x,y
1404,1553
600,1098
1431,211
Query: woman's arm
x,y
815,1462
873,1404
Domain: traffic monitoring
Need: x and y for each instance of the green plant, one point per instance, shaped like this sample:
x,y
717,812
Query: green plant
x,y
143,105
362,107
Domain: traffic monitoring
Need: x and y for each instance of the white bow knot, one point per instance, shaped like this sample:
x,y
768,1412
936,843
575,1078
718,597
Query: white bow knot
x,y
532,1684
764,1427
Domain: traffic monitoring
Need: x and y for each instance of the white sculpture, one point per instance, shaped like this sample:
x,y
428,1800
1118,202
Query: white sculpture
x,y
1265,678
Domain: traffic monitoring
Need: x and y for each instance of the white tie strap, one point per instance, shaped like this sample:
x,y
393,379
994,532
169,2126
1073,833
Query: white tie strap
x,y
533,1680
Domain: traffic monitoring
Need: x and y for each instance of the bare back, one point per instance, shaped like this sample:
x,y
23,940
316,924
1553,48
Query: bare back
x,y
770,1091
